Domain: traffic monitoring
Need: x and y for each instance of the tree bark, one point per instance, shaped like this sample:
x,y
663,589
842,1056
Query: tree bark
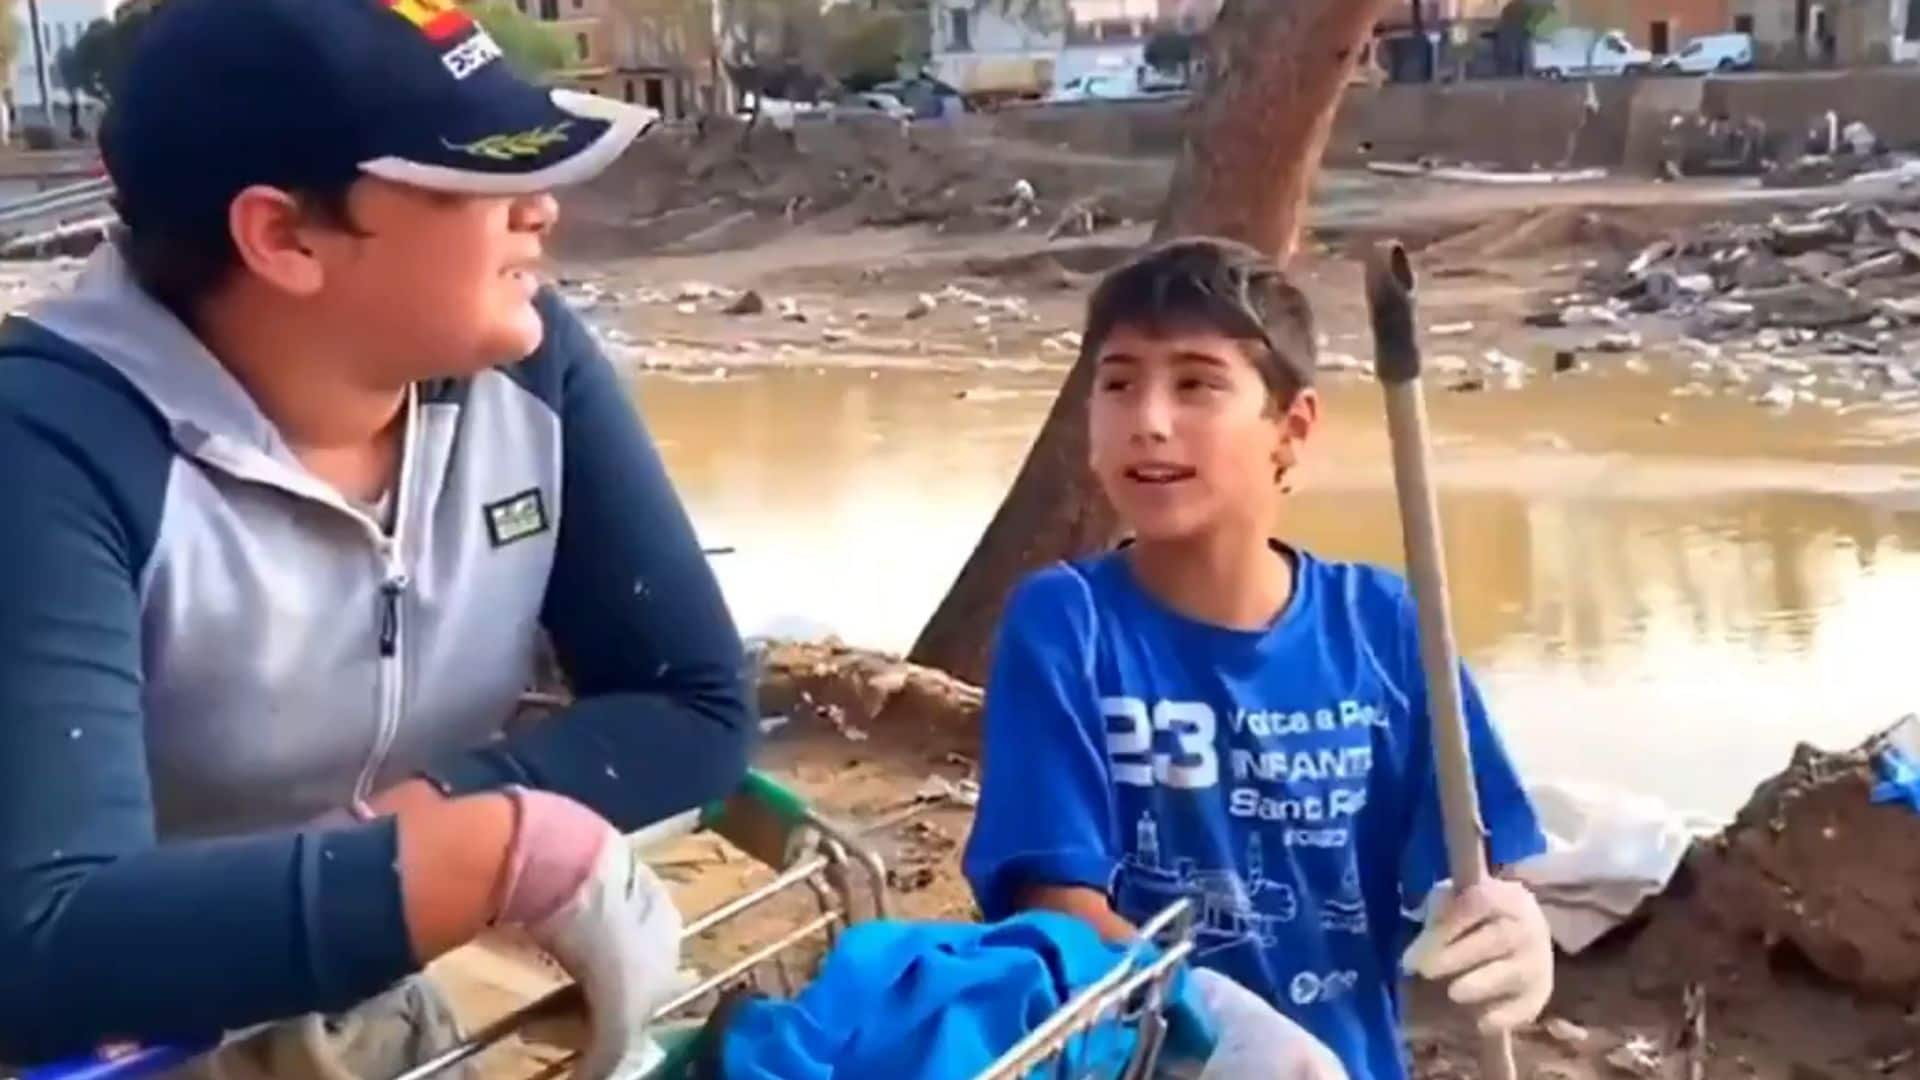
x,y
1275,73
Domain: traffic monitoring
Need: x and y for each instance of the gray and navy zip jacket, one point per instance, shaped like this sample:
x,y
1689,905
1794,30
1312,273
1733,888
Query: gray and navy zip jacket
x,y
203,648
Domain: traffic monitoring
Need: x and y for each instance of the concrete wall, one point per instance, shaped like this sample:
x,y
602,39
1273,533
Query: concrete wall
x,y
1506,123
1885,98
1516,124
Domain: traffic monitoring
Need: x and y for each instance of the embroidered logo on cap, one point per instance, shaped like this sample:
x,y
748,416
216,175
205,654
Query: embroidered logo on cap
x,y
516,517
440,20
517,144
444,22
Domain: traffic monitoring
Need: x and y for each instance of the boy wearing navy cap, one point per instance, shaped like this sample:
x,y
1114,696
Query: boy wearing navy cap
x,y
300,471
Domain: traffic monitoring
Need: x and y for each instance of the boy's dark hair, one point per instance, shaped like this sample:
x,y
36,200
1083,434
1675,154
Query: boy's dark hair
x,y
1207,283
183,261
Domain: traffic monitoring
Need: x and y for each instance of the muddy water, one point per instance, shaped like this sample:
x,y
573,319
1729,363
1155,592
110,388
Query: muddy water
x,y
1657,592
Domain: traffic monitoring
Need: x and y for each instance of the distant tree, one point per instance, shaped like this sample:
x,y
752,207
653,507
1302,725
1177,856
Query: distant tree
x,y
864,46
93,63
9,32
533,48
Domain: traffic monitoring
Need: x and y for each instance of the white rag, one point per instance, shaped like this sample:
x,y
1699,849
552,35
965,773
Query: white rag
x,y
1608,852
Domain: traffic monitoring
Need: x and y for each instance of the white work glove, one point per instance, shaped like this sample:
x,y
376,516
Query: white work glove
x,y
1254,1040
1491,944
618,936
581,893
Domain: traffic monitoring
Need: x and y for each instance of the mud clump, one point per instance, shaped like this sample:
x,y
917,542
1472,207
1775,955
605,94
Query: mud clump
x,y
862,692
1814,869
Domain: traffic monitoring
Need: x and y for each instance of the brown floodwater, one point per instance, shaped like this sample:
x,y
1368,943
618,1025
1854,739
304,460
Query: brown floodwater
x,y
1660,592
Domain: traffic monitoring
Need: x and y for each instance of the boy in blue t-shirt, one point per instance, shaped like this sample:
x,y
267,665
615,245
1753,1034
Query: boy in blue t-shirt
x,y
1209,713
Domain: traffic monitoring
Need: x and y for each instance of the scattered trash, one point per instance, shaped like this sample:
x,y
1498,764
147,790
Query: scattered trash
x,y
922,306
790,310
1638,1056
1564,361
1776,397
687,308
1626,342
939,789
1451,329
1467,175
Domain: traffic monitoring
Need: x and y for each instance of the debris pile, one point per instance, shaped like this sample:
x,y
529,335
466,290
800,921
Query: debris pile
x,y
1822,862
1824,296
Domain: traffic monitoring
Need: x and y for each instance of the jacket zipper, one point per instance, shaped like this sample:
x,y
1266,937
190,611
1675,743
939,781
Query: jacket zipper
x,y
390,632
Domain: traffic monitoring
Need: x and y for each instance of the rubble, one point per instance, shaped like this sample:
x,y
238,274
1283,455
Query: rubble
x,y
748,303
1791,294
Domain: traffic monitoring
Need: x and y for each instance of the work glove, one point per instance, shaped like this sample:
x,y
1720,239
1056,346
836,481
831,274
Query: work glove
x,y
1491,944
580,892
1255,1041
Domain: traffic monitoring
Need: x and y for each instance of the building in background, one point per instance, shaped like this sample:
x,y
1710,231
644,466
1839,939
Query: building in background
x,y
1831,33
1661,27
986,52
663,61
61,24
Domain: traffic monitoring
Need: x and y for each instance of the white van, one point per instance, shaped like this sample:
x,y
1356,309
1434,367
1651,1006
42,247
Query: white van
x,y
1576,50
1712,52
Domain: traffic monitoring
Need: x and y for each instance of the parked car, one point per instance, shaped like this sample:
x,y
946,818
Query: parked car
x,y
869,103
1712,52
1104,87
1575,51
927,97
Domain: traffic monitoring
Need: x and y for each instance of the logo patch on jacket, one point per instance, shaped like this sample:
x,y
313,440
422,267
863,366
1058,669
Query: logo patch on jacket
x,y
517,517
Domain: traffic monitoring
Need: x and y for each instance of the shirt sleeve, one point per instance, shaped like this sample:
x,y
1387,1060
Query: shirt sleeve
x,y
1046,814
104,933
1512,827
662,720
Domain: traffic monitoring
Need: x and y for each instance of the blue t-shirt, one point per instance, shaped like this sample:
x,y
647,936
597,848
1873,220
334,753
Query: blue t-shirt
x,y
1283,779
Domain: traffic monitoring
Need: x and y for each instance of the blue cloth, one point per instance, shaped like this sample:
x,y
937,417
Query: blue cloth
x,y
935,1001
1283,778
1899,778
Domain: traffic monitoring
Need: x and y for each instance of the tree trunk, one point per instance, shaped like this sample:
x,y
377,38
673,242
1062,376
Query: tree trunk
x,y
1275,73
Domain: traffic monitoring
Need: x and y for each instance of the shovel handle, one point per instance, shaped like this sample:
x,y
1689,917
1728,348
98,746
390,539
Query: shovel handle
x,y
1397,362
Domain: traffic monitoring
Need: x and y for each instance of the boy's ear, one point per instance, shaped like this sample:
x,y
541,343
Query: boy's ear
x,y
1295,427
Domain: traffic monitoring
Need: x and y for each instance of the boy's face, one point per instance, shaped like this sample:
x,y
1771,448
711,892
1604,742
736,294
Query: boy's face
x,y
438,285
1184,436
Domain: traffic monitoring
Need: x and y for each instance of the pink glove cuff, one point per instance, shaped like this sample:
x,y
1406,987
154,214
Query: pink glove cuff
x,y
556,843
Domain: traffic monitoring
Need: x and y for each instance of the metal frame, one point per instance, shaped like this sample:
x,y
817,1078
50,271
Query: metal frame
x,y
1134,994
826,873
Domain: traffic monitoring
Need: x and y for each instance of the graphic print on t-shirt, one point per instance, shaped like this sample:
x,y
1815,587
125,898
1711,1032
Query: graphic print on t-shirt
x,y
1257,821
1232,910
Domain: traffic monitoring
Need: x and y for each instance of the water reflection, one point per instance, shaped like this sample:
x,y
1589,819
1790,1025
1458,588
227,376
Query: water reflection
x,y
1671,625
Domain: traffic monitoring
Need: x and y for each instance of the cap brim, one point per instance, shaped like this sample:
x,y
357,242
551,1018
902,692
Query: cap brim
x,y
570,158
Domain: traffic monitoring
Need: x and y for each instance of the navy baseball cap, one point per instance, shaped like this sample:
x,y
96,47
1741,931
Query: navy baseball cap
x,y
220,95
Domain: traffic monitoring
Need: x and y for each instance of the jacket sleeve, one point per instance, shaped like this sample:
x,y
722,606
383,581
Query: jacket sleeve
x,y
662,720
104,933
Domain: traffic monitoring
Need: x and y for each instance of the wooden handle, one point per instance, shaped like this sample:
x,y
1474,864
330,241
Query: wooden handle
x,y
1397,361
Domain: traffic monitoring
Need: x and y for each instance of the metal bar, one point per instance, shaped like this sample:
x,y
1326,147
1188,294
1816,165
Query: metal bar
x,y
869,859
741,903
1071,1019
740,967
